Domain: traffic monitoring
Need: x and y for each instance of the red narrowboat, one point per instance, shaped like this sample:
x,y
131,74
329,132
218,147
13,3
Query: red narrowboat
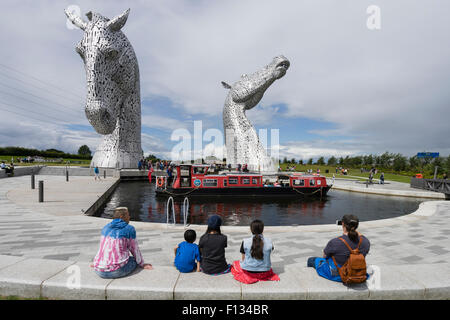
x,y
195,180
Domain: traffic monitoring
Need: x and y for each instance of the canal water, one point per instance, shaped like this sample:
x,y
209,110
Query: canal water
x,y
139,197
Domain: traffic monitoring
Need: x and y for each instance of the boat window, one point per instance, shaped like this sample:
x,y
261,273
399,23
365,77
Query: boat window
x,y
199,170
184,172
245,180
299,182
255,180
232,180
319,182
210,182
224,182
312,182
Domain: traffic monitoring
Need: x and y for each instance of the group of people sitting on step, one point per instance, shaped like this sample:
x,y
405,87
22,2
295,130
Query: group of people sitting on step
x,y
118,241
9,169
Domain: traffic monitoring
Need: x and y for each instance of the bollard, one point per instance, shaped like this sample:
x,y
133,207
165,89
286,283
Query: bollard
x,y
104,174
67,175
32,181
41,191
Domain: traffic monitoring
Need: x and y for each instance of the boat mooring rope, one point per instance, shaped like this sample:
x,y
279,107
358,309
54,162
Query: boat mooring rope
x,y
179,194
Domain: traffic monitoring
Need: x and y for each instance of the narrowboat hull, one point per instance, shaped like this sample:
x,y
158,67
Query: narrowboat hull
x,y
244,192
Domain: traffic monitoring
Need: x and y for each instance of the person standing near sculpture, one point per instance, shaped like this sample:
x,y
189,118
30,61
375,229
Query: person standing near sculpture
x,y
118,240
97,173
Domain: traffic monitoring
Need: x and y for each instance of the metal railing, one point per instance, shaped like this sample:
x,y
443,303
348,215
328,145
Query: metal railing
x,y
169,201
437,185
184,211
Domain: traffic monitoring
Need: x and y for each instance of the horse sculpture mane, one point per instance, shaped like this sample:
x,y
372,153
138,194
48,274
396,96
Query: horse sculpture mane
x,y
242,142
113,104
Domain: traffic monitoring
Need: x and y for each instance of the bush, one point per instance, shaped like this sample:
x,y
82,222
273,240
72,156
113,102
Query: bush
x,y
49,153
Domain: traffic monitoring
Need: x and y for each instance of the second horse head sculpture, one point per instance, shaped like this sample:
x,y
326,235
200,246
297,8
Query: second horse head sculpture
x,y
242,143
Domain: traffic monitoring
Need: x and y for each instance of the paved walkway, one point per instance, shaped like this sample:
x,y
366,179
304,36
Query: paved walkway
x,y
55,234
392,188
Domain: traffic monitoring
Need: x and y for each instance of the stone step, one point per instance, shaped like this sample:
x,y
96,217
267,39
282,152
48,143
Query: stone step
x,y
34,278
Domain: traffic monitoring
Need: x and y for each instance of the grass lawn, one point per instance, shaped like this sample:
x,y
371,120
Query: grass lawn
x,y
19,298
352,173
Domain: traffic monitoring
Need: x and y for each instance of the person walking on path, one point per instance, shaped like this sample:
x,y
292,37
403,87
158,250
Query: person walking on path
x,y
118,240
382,178
97,173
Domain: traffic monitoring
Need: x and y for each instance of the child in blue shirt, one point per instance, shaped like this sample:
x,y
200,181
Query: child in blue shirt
x,y
187,254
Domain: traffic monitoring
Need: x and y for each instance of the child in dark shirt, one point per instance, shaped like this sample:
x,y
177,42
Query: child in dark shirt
x,y
212,246
187,254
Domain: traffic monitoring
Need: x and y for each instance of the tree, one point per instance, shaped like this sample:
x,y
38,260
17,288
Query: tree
x,y
385,159
368,160
438,162
54,150
414,163
84,151
447,165
293,160
356,161
321,161
310,161
346,161
399,163
332,161
301,161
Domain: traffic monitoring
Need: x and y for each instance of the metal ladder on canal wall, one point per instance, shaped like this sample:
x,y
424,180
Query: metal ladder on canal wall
x,y
184,211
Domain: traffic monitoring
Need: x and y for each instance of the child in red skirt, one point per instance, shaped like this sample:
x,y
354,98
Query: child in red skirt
x,y
255,265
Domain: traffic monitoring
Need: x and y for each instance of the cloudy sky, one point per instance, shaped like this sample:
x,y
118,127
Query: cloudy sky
x,y
350,90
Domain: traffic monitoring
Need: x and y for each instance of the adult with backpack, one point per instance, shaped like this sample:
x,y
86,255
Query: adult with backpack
x,y
344,257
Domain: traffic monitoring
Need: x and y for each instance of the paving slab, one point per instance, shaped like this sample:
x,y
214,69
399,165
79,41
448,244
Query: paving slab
x,y
64,285
58,230
155,284
392,188
200,286
391,283
319,288
6,261
289,287
25,278
433,277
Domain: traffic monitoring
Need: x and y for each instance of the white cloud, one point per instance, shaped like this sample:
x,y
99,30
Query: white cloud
x,y
161,122
314,149
386,89
36,135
